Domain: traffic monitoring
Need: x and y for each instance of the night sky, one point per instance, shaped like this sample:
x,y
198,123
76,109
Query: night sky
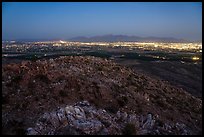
x,y
64,20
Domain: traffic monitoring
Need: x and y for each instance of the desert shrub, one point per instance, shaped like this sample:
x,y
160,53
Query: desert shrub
x,y
140,109
160,102
81,97
129,129
116,68
112,109
17,106
16,79
60,78
17,125
36,98
44,96
122,101
22,106
5,100
61,101
42,77
31,86
20,131
159,123
55,97
100,68
63,93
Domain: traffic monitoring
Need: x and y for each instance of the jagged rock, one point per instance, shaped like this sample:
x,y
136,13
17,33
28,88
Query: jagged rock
x,y
62,117
84,118
88,127
54,119
104,117
121,115
76,111
31,131
104,131
149,122
83,103
79,113
143,132
69,110
39,127
133,120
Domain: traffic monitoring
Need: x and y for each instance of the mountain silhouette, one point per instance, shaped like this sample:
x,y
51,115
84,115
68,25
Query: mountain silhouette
x,y
125,38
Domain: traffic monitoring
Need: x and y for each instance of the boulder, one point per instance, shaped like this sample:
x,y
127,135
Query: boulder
x,y
88,126
31,131
149,122
61,116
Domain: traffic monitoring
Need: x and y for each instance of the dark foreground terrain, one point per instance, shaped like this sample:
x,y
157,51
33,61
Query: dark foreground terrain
x,y
186,75
174,66
90,95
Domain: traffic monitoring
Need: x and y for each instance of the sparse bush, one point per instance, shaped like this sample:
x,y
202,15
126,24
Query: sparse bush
x,y
55,97
44,96
60,78
122,101
161,103
16,79
140,110
159,123
63,93
116,67
42,77
20,131
23,106
100,68
17,106
36,98
61,101
81,97
112,109
129,129
5,100
31,86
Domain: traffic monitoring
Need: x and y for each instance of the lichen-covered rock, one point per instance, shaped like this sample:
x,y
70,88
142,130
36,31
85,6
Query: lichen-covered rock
x,y
54,120
88,126
61,116
84,118
149,122
75,111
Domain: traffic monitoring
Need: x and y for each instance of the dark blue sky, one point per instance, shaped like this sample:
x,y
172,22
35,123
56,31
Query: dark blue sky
x,y
66,20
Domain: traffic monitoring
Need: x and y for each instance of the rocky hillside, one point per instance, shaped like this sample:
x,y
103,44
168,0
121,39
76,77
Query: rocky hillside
x,y
38,95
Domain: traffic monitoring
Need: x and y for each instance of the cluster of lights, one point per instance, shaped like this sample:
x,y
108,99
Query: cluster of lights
x,y
196,47
195,58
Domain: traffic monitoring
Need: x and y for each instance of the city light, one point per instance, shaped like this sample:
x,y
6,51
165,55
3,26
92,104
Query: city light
x,y
62,41
144,46
195,58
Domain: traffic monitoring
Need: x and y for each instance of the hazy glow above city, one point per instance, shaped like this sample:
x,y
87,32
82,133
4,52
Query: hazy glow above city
x,y
66,20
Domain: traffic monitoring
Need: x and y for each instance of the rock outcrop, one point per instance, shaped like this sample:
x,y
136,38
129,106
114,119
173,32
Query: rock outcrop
x,y
88,120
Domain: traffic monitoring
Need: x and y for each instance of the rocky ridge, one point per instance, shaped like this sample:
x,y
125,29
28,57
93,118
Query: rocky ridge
x,y
33,89
82,118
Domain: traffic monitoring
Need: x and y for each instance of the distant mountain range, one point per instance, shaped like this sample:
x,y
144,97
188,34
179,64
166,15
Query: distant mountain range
x,y
125,38
113,38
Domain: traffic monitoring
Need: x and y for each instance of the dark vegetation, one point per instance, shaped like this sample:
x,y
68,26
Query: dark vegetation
x,y
129,129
